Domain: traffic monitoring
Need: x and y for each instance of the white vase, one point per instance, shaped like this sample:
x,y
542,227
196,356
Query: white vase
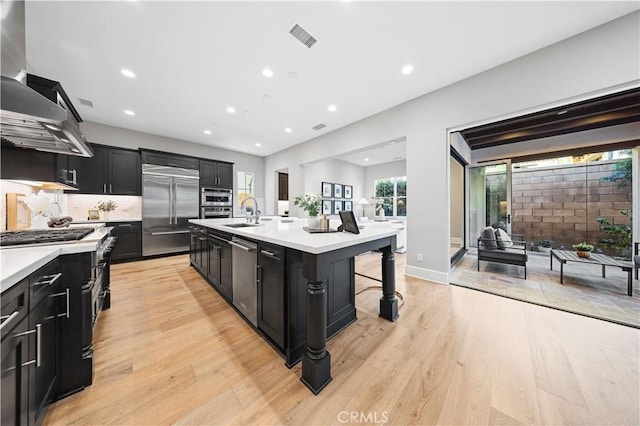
x,y
105,215
313,222
39,222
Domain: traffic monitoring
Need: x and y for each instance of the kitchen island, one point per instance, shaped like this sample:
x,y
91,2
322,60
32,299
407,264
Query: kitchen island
x,y
316,295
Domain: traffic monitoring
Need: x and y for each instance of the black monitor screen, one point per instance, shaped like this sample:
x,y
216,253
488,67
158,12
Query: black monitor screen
x,y
349,223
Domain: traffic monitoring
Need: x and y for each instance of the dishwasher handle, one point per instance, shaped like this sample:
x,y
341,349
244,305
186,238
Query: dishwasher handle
x,y
242,246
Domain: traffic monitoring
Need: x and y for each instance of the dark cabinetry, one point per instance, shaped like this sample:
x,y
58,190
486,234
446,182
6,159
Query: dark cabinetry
x,y
29,164
199,249
30,350
271,299
220,263
129,241
169,159
110,171
283,186
216,174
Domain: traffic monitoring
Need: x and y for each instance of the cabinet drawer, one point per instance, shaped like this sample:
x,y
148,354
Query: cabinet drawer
x,y
167,159
43,281
15,303
271,253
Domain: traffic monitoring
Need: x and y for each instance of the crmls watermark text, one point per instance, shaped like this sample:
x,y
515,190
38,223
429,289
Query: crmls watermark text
x,y
356,417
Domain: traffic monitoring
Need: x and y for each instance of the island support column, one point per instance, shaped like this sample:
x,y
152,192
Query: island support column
x,y
388,301
316,361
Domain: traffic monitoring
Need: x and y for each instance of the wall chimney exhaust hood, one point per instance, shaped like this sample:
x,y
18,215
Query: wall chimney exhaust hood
x,y
28,118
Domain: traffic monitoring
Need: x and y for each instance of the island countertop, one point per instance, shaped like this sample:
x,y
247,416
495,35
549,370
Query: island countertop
x,y
288,232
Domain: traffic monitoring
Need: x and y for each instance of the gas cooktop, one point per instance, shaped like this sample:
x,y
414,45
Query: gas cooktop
x,y
40,236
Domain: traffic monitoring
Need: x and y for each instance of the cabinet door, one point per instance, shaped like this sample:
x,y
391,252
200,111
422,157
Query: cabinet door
x,y
43,349
169,159
225,175
203,252
271,303
283,186
208,173
214,262
193,247
124,172
66,169
92,172
15,377
129,240
226,287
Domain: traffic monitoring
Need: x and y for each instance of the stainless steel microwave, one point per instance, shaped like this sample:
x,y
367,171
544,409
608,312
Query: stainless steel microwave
x,y
215,197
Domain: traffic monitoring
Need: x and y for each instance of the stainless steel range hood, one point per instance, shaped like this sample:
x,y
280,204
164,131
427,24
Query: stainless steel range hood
x,y
27,118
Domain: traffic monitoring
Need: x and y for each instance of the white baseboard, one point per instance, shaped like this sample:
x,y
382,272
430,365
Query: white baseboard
x,y
426,274
456,242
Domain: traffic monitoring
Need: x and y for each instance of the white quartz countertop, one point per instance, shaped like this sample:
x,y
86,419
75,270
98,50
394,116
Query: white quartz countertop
x,y
288,232
19,263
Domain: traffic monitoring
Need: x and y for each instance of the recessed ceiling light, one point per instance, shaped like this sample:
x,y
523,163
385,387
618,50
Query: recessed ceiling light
x,y
407,69
128,73
231,110
258,144
366,159
332,108
267,73
288,130
129,112
207,132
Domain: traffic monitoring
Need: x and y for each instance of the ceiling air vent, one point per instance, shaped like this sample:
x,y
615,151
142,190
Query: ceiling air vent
x,y
305,38
319,126
86,102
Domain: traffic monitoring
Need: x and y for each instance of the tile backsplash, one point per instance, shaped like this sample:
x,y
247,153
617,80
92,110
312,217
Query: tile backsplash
x,y
78,205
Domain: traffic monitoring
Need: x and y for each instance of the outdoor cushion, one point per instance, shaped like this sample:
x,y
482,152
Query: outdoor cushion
x,y
488,237
503,239
636,259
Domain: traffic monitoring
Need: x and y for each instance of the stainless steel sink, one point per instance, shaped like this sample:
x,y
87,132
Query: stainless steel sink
x,y
241,225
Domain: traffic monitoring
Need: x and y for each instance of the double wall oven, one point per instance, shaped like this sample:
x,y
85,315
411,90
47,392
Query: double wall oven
x,y
216,203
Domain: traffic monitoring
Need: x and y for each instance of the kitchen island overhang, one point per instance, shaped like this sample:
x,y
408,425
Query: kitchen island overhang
x,y
318,252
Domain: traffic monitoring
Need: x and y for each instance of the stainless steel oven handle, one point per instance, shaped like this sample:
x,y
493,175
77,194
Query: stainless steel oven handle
x,y
49,279
8,318
64,293
218,238
169,232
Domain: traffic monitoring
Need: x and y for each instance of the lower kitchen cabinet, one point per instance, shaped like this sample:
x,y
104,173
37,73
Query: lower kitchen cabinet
x,y
129,241
30,345
219,274
271,300
199,249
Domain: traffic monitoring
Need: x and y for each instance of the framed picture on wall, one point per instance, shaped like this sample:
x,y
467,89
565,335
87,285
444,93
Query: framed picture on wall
x,y
347,191
326,207
337,190
327,189
337,206
348,206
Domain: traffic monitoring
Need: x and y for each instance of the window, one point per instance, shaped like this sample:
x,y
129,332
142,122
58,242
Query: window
x,y
245,186
391,194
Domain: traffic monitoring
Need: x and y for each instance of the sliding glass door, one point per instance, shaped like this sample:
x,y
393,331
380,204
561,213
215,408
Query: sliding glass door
x,y
489,198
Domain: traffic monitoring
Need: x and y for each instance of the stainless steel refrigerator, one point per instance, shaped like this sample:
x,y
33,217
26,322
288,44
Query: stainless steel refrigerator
x,y
169,200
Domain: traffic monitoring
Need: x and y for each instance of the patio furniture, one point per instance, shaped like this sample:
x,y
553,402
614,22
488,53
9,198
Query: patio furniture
x,y
564,256
495,245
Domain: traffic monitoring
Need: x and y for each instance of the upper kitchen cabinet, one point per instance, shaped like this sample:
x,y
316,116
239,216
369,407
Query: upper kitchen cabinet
x,y
111,170
31,165
168,159
216,174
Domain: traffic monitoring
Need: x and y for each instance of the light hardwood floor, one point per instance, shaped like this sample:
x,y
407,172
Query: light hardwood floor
x,y
171,351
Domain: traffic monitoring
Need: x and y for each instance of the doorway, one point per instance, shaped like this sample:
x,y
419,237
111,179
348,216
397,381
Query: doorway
x,y
490,198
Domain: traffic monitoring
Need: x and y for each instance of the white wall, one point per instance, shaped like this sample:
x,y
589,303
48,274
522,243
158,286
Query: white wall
x,y
333,171
601,58
124,138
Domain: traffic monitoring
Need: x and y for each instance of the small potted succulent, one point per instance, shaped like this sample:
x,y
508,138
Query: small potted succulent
x,y
583,249
544,246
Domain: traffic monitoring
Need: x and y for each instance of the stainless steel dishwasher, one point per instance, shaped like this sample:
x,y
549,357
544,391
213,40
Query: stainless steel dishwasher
x,y
244,262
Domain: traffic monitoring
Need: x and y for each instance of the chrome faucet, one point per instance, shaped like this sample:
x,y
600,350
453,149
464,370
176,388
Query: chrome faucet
x,y
256,216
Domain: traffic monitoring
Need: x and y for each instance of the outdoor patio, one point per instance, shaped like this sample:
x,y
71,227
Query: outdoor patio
x,y
584,290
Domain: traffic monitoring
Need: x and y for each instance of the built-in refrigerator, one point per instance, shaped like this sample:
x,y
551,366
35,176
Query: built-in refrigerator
x,y
170,197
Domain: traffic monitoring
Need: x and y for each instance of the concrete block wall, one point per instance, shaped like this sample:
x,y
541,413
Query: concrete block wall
x,y
563,203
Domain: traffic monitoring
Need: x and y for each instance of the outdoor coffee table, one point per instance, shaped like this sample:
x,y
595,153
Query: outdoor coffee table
x,y
564,256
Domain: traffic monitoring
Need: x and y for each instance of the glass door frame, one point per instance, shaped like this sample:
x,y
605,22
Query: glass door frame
x,y
453,154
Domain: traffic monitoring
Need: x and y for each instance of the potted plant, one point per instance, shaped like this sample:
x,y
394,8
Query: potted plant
x,y
583,249
312,204
544,246
106,207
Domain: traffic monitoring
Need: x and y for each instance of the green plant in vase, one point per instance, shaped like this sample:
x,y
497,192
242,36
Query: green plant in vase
x,y
106,207
583,249
312,204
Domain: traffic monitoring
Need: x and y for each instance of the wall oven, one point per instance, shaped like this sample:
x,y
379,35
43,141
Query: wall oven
x,y
215,212
215,197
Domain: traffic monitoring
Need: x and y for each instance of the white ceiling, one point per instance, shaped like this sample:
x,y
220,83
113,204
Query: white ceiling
x,y
194,59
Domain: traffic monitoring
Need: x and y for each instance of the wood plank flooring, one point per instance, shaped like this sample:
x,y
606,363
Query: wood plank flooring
x,y
584,290
171,351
